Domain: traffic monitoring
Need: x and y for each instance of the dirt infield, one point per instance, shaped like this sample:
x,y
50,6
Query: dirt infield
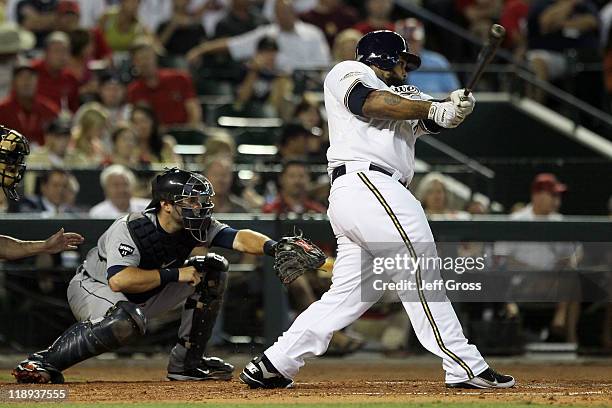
x,y
340,381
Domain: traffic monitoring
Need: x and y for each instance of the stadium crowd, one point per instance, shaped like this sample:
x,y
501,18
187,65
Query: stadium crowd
x,y
128,85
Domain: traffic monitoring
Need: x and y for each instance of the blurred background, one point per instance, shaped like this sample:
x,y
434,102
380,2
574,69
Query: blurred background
x,y
111,92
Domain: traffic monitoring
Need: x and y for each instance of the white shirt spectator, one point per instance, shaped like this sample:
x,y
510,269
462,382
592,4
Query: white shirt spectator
x,y
300,6
106,209
537,255
303,48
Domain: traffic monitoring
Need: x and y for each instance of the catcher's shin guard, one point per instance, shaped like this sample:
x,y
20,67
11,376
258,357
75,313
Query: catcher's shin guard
x,y
122,323
206,304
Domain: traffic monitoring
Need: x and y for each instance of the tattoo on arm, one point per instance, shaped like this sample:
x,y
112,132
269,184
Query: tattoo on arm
x,y
392,99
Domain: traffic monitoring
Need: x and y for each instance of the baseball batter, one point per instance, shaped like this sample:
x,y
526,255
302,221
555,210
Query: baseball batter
x,y
138,271
374,121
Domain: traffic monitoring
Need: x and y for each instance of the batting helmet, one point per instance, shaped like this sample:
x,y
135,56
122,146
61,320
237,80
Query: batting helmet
x,y
14,148
384,48
189,191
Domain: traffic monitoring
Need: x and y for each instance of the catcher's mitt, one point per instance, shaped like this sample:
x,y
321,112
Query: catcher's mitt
x,y
294,256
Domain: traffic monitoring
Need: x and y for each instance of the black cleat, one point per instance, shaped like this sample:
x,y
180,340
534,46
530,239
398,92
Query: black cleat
x,y
489,378
260,373
211,368
37,372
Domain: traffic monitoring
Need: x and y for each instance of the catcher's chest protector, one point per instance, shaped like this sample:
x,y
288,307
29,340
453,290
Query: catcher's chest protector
x,y
158,249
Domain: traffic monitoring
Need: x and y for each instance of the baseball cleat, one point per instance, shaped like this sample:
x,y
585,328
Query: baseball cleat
x,y
36,372
211,368
260,373
489,378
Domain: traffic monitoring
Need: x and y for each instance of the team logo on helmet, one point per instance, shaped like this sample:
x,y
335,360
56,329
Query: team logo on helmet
x,y
14,148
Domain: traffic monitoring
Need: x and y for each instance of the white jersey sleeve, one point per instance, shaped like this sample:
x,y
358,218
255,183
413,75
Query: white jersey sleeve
x,y
345,76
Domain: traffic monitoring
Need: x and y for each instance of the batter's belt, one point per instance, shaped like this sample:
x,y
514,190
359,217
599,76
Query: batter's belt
x,y
341,171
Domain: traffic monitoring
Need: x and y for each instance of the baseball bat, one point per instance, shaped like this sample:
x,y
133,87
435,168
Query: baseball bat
x,y
496,36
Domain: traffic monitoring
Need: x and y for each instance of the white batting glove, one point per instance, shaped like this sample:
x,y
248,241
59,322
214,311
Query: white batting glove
x,y
464,104
445,114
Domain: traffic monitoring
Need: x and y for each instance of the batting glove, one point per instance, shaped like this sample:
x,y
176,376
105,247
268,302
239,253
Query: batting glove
x,y
464,104
445,114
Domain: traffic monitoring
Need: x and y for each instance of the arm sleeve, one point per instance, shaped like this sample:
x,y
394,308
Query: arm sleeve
x,y
356,97
121,251
345,77
225,238
214,229
244,46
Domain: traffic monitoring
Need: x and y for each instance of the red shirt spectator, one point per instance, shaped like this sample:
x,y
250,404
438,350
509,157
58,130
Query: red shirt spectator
x,y
514,19
378,16
331,16
168,98
280,206
169,92
68,19
54,80
24,110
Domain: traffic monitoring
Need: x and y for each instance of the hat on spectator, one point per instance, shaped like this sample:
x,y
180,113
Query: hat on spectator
x,y
547,182
14,39
60,126
58,36
109,76
411,29
68,6
23,64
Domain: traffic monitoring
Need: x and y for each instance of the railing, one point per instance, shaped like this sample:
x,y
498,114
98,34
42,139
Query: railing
x,y
480,229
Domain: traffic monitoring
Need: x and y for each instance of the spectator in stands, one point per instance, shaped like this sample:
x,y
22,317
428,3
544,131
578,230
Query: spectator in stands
x,y
182,31
241,18
262,84
378,16
81,54
52,197
56,151
555,26
112,95
514,18
219,143
152,146
308,114
90,134
37,16
23,109
118,183
121,27
54,80
301,45
13,41
69,19
545,202
433,194
294,182
293,142
476,207
479,14
345,44
429,82
331,16
169,92
124,147
219,171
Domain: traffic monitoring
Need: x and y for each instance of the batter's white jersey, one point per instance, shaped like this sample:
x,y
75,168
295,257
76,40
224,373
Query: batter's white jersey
x,y
387,143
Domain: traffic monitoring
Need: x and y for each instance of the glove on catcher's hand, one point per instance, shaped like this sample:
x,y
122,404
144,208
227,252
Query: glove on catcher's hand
x,y
294,256
210,261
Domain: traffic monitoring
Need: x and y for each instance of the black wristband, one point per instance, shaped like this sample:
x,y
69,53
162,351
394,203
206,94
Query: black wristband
x,y
269,247
167,275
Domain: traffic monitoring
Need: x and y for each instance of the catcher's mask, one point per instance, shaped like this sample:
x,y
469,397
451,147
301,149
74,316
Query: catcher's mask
x,y
14,148
191,193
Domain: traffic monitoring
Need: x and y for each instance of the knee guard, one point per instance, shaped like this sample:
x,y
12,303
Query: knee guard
x,y
206,304
122,323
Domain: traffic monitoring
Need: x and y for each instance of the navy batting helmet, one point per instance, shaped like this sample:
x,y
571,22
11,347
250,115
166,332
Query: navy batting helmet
x,y
384,48
189,191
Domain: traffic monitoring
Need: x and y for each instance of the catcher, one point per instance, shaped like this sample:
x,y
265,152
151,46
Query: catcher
x,y
141,268
14,148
